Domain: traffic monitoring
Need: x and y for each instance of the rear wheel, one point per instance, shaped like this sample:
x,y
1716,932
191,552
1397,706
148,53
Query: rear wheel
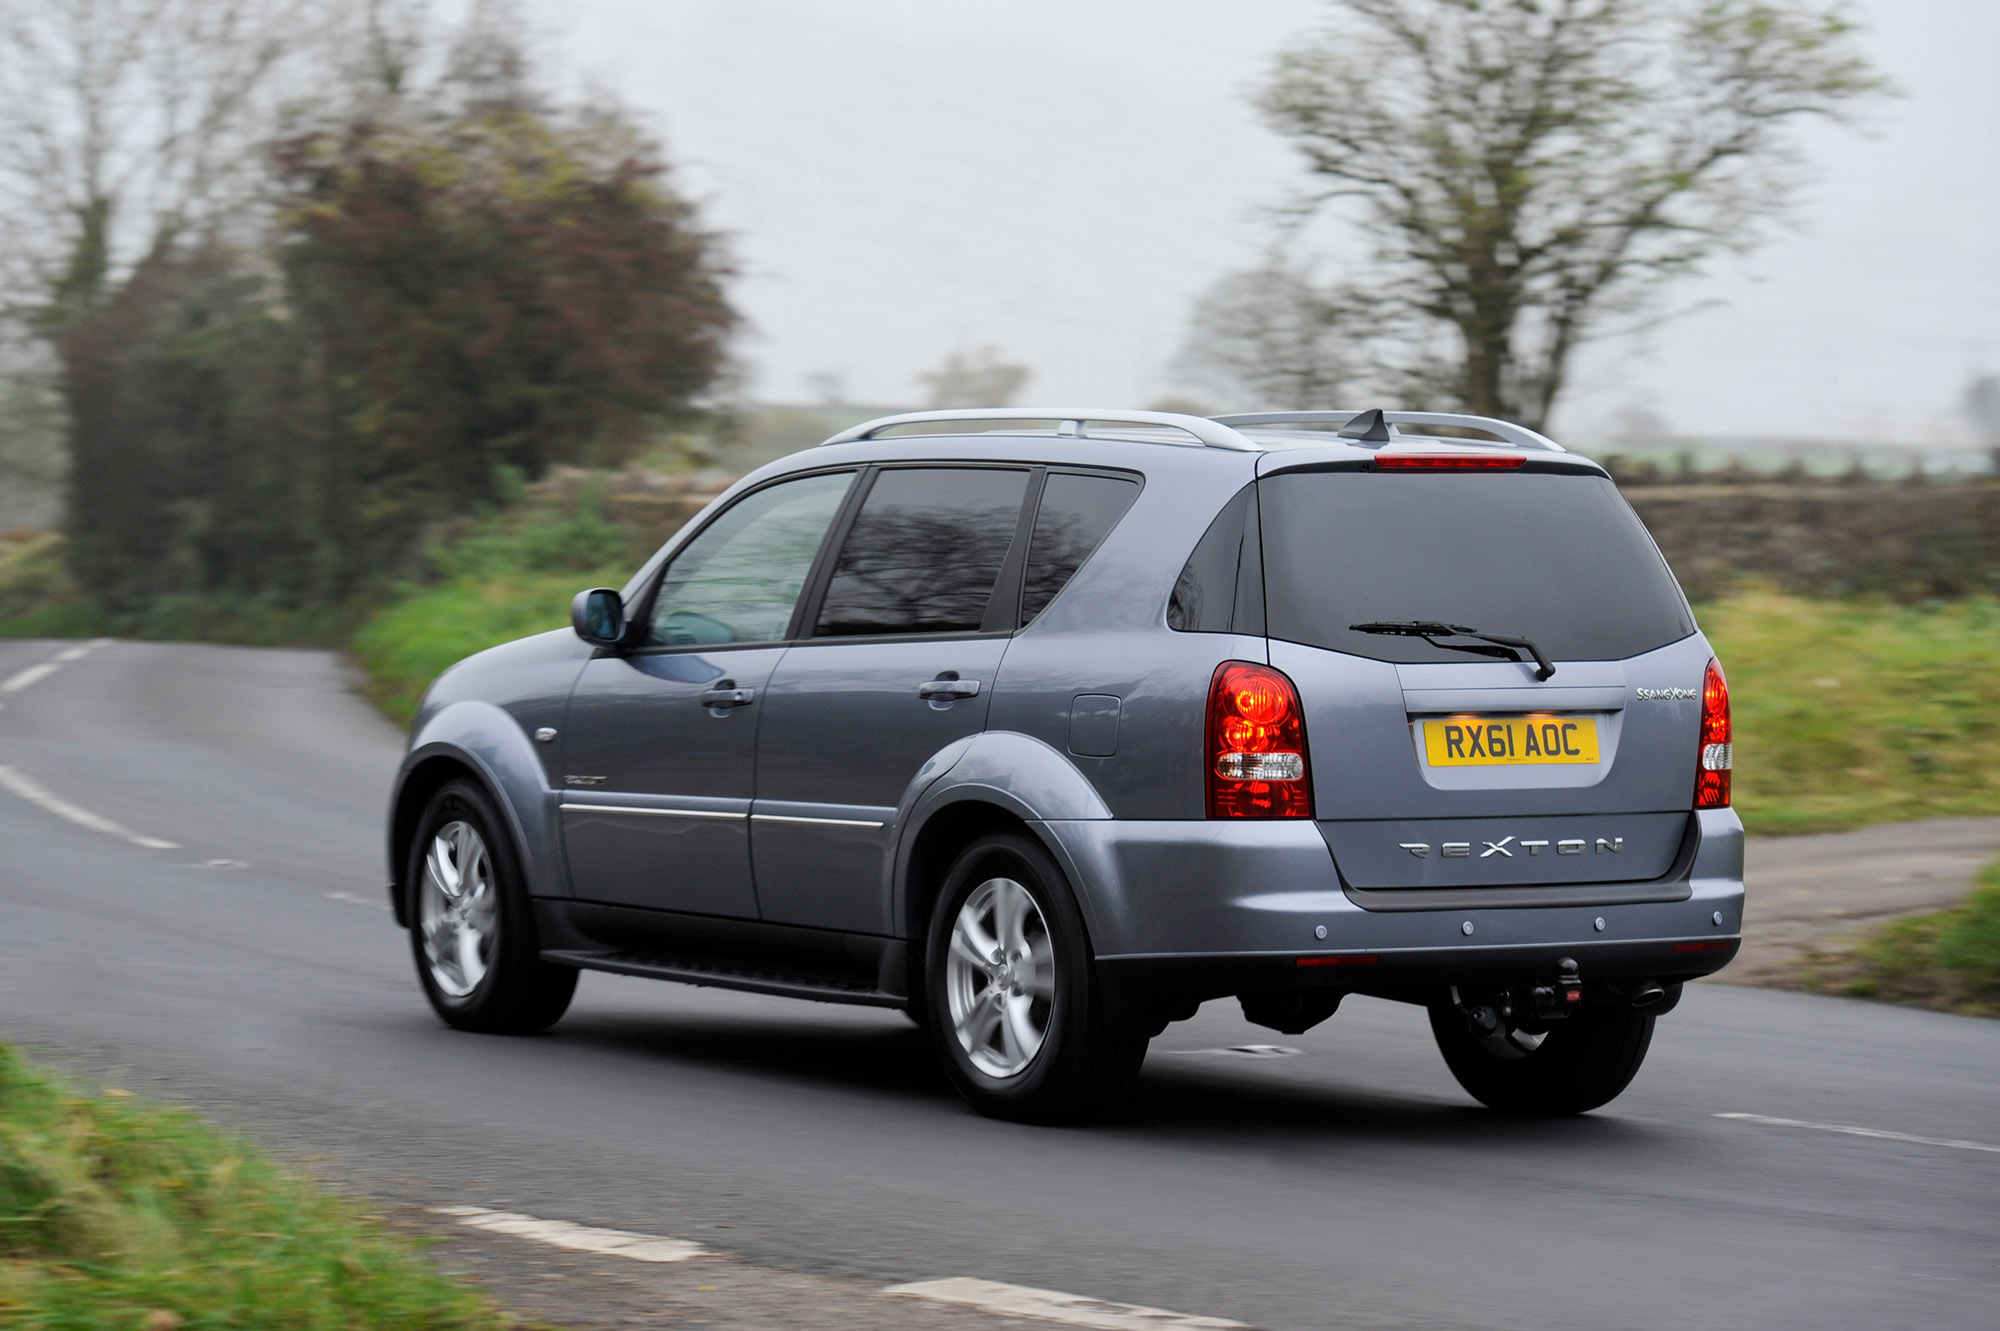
x,y
472,931
1013,1005
1581,1062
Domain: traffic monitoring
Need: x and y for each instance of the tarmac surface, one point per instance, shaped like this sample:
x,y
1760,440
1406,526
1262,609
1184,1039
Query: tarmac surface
x,y
191,907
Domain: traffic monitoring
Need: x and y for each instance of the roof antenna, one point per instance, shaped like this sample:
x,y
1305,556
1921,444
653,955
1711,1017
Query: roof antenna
x,y
1370,427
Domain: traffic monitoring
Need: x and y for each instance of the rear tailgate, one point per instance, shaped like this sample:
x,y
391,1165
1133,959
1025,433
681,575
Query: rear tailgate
x,y
1440,768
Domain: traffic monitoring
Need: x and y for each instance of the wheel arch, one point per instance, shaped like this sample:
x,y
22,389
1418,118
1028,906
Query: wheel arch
x,y
482,743
998,781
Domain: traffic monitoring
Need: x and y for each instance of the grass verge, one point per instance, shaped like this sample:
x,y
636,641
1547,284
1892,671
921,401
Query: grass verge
x,y
1856,712
1949,960
113,1214
511,577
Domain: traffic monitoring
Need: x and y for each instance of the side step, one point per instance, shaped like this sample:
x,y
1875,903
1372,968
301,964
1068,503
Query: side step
x,y
723,976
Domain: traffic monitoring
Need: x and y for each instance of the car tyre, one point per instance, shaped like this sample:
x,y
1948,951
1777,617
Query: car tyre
x,y
472,930
1014,1008
1583,1062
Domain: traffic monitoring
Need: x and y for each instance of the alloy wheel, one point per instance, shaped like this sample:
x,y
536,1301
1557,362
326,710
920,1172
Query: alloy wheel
x,y
1000,978
458,909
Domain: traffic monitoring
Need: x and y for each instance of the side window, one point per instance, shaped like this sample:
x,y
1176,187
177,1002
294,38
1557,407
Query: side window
x,y
1221,588
1076,513
924,553
740,578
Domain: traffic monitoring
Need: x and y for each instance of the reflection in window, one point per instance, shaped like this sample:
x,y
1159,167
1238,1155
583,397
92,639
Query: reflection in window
x,y
1075,514
739,580
924,552
1204,599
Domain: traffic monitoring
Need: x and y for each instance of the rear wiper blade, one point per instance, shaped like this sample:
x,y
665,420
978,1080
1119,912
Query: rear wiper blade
x,y
1431,630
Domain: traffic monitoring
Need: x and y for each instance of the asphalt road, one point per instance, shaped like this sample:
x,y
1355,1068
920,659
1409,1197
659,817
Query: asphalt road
x,y
250,971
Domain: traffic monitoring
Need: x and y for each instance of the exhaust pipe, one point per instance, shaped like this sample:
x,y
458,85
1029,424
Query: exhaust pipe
x,y
1647,994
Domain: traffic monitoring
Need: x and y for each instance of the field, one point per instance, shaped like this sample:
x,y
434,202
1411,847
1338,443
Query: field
x,y
1856,712
114,1214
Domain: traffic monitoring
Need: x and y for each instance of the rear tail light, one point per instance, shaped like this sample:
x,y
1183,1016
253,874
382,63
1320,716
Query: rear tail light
x,y
1718,757
1256,745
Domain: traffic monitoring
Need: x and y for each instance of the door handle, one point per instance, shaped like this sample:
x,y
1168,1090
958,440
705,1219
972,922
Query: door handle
x,y
722,698
948,687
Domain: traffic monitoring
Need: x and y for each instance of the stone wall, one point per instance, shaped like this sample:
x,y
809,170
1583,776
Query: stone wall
x,y
1906,539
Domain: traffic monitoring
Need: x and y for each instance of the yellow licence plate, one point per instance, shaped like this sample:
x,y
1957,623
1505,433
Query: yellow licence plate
x,y
1510,741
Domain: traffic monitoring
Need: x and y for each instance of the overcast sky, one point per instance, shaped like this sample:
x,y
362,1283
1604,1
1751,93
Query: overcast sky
x,y
1060,178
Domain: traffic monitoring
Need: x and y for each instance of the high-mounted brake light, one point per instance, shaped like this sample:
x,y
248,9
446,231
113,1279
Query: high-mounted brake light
x,y
1256,745
1447,461
1718,755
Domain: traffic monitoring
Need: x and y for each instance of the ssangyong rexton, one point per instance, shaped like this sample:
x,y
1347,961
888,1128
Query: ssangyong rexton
x,y
1047,734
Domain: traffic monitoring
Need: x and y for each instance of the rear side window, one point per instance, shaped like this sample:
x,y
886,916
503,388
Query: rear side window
x,y
1220,588
924,553
1076,513
1559,558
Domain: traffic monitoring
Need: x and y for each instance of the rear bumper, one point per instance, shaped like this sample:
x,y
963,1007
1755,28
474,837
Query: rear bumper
x,y
1215,907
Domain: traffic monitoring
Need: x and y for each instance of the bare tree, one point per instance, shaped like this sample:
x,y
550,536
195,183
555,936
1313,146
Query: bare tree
x,y
126,125
1531,168
1273,337
980,379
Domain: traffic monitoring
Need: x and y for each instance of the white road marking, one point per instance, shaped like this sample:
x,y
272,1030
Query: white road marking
x,y
354,900
1050,1305
1882,1134
580,1238
34,674
73,653
32,792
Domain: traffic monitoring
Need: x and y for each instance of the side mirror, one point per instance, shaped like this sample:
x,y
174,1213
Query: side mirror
x,y
598,616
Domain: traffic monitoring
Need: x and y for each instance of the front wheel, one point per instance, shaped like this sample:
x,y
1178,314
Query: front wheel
x,y
472,930
1013,1004
1581,1062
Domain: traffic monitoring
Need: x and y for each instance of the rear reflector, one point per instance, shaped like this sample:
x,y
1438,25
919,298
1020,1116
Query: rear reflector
x,y
1368,960
1719,945
1447,462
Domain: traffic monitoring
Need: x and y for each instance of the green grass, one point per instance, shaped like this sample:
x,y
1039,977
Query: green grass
x,y
114,1214
1949,960
1857,712
406,646
512,576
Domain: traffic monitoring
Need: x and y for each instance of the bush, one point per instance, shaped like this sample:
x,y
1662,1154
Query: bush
x,y
38,599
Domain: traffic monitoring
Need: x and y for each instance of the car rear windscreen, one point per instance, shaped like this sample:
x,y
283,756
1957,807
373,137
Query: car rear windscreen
x,y
1559,558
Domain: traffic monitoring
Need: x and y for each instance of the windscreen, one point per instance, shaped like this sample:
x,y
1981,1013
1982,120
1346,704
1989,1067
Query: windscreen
x,y
1559,558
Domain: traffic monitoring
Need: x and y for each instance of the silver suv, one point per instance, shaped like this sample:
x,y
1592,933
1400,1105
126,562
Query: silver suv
x,y
1048,733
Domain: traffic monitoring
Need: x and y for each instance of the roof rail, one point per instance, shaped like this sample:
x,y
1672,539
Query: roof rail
x,y
1069,421
1520,436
